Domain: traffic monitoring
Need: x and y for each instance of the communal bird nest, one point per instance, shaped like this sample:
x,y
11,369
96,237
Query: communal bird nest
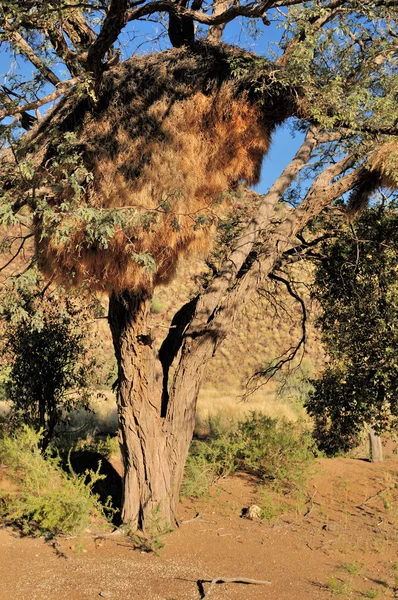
x,y
168,136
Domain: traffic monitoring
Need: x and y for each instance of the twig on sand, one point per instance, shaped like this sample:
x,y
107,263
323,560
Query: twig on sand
x,y
197,516
309,510
213,582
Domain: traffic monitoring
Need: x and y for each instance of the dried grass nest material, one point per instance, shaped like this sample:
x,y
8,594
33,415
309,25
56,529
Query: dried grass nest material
x,y
170,134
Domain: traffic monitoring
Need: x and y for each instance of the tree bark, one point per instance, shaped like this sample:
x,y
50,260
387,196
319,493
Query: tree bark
x,y
154,448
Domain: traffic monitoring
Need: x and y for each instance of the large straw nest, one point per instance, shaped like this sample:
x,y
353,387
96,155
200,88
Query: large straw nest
x,y
169,135
384,161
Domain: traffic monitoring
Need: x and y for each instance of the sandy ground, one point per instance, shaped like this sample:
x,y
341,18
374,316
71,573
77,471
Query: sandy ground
x,y
342,542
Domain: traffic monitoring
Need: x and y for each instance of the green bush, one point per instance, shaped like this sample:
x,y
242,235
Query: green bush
x,y
45,500
276,451
46,354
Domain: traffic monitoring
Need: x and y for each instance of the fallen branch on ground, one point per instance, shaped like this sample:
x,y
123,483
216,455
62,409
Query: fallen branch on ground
x,y
216,580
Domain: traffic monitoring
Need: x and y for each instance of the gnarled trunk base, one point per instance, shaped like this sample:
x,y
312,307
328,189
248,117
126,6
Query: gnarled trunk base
x,y
154,453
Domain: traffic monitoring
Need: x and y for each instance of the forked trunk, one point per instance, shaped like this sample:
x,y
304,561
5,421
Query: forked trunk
x,y
154,447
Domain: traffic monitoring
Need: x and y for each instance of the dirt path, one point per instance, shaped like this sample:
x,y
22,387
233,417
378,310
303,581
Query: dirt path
x,y
347,545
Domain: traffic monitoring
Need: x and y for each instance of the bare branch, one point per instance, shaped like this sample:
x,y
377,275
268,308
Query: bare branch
x,y
289,355
216,580
251,10
18,251
61,89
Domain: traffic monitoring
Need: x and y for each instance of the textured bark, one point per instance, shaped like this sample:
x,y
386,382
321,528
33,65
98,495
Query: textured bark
x,y
154,449
146,477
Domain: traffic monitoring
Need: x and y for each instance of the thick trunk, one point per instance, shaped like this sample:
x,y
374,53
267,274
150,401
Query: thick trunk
x,y
154,450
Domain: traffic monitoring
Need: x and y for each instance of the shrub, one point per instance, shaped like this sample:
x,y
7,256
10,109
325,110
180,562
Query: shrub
x,y
46,366
277,451
45,501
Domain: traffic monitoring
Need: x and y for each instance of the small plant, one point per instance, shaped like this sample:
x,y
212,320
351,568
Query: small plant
x,y
199,475
271,507
151,540
372,593
47,501
353,568
337,586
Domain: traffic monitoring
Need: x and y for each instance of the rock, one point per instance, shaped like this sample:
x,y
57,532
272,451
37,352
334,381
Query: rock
x,y
253,513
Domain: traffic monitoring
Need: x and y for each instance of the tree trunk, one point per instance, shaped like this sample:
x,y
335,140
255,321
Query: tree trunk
x,y
154,447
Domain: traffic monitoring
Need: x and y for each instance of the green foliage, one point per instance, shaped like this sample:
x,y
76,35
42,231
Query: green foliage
x,y
277,452
44,499
151,540
357,285
339,587
45,355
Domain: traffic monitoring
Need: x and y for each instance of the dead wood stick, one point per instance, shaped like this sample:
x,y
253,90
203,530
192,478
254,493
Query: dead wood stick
x,y
216,580
197,516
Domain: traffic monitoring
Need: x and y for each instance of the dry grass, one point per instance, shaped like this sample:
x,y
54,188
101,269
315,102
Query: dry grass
x,y
226,407
385,162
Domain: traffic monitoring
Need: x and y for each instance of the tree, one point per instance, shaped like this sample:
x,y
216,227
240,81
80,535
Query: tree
x,y
131,169
356,285
45,350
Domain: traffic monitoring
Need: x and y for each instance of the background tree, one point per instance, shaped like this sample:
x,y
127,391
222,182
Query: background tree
x,y
356,284
130,169
45,353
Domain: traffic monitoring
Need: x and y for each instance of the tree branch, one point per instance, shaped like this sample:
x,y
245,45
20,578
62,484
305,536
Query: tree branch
x,y
251,10
61,89
291,353
114,22
232,265
28,51
62,49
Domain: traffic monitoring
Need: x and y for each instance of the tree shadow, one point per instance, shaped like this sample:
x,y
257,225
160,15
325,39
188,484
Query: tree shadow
x,y
109,488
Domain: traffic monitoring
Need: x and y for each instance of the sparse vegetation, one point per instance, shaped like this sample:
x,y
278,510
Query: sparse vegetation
x,y
353,568
338,586
277,452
